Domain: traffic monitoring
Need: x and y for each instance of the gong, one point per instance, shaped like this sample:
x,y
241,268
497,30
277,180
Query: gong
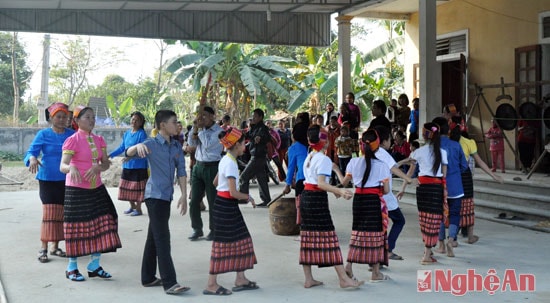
x,y
506,116
529,110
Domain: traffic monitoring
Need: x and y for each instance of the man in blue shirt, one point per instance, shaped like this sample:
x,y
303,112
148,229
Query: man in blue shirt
x,y
208,153
457,164
165,157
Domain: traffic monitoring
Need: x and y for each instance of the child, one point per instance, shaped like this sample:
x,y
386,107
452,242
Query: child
x,y
346,146
165,157
368,243
318,240
456,166
333,131
496,146
432,162
394,212
232,248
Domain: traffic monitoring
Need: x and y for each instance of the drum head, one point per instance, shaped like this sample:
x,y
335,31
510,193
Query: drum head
x,y
529,110
506,116
546,116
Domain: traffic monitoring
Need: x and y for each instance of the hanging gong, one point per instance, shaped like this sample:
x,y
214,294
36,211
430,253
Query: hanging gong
x,y
546,116
506,116
529,110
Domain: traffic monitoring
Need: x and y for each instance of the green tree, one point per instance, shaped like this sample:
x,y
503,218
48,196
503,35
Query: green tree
x,y
235,75
70,75
6,80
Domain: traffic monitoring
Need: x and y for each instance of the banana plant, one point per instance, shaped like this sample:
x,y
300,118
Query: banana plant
x,y
236,76
118,113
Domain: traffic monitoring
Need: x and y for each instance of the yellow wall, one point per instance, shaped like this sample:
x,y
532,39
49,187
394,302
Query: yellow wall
x,y
495,29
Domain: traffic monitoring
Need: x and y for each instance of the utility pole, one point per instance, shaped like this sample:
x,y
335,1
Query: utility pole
x,y
15,81
43,101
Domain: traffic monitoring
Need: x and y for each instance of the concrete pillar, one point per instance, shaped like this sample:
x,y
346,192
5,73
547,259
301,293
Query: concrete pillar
x,y
430,73
344,57
43,101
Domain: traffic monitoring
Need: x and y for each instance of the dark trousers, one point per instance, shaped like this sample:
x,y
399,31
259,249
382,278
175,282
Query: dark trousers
x,y
454,218
398,222
526,154
202,177
157,246
343,163
256,167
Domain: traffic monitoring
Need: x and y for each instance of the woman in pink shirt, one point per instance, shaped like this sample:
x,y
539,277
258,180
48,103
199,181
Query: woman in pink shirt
x,y
90,219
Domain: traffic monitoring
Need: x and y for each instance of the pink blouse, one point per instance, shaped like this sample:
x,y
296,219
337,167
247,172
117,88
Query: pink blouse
x,y
87,149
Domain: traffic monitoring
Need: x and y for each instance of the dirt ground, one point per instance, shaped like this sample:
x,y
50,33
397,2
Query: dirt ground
x,y
10,177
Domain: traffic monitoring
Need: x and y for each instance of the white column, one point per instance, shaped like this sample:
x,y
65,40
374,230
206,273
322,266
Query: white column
x,y
344,57
430,100
43,101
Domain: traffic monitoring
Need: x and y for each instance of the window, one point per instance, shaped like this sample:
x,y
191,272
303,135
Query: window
x,y
544,27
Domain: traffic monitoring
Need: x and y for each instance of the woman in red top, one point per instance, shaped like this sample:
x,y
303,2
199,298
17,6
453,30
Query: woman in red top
x,y
401,149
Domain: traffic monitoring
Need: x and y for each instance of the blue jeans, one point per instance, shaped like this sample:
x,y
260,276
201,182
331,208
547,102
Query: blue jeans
x,y
454,219
157,246
398,221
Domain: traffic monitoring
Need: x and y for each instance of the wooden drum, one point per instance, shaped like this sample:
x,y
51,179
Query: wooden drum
x,y
282,216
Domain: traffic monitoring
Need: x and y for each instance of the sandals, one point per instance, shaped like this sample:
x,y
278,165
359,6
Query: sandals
x,y
156,282
176,289
99,272
249,286
135,213
221,291
58,252
394,256
43,256
74,275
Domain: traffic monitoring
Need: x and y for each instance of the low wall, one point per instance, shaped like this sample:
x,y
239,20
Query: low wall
x,y
18,139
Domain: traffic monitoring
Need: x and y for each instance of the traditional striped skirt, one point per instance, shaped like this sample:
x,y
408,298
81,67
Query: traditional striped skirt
x,y
90,222
429,200
318,241
52,195
132,185
232,248
368,243
467,212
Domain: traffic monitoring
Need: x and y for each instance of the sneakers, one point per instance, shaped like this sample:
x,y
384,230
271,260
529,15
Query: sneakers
x,y
263,204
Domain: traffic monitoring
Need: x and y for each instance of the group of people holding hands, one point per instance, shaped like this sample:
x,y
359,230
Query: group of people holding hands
x,y
78,209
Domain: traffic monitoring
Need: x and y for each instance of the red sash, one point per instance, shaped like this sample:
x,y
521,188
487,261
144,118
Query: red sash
x,y
311,187
225,194
431,180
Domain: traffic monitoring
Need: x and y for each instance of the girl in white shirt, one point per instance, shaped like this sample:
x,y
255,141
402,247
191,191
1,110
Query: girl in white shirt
x,y
232,248
430,194
318,240
369,241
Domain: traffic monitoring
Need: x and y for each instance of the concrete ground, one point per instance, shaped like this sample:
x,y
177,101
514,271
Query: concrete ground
x,y
278,273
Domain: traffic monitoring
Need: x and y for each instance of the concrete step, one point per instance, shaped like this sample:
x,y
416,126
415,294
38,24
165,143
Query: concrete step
x,y
524,204
491,214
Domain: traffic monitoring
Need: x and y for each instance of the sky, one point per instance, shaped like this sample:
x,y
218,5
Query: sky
x,y
141,57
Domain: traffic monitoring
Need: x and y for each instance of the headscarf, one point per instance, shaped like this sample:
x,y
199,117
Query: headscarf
x,y
55,108
231,137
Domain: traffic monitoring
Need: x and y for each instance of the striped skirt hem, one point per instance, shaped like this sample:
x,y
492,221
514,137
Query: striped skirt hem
x,y
51,229
467,212
232,256
368,248
320,248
